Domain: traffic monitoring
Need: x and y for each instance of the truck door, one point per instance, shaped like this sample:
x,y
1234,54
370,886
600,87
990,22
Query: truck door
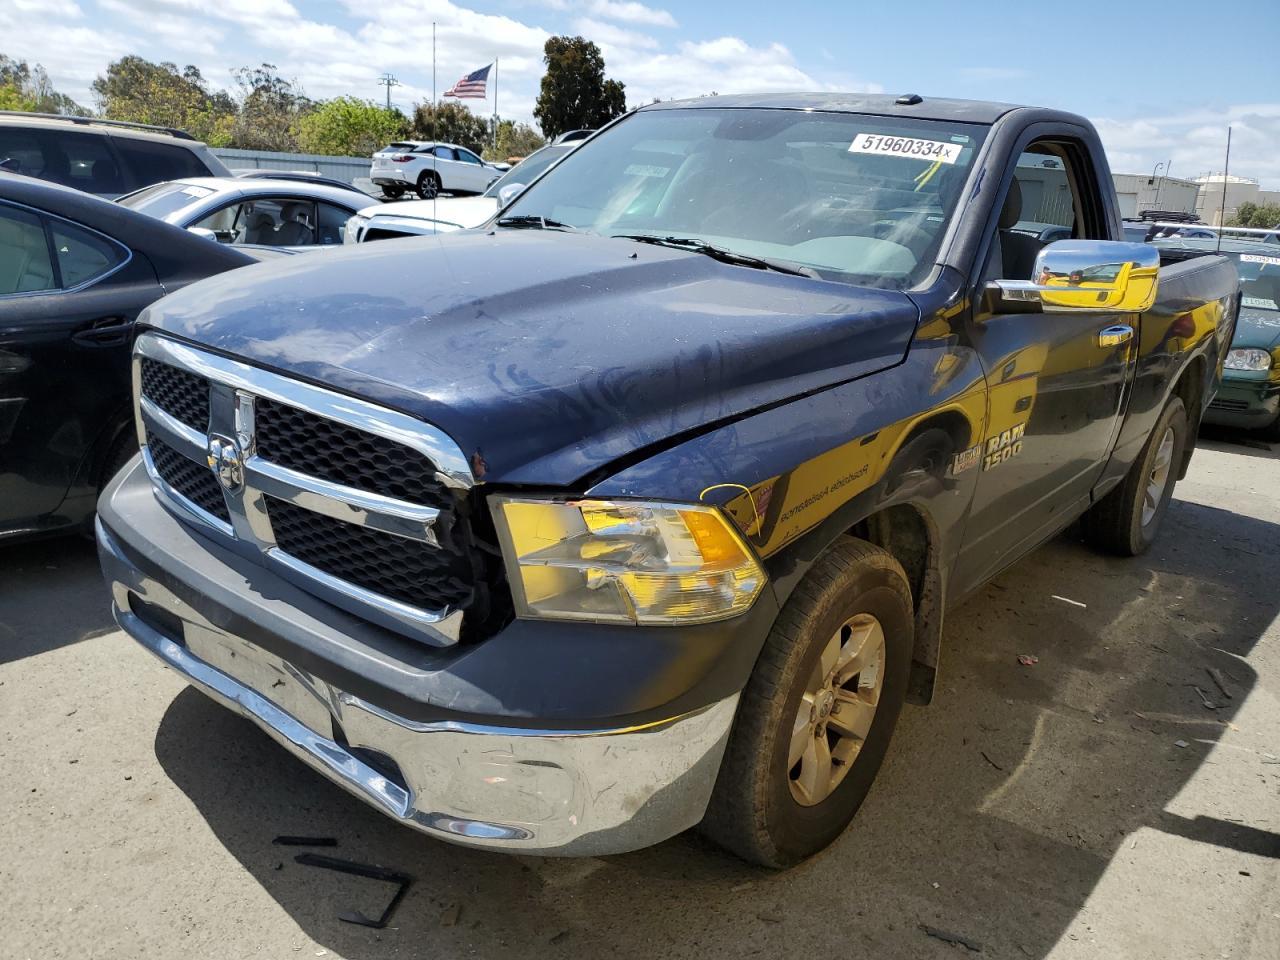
x,y
1056,391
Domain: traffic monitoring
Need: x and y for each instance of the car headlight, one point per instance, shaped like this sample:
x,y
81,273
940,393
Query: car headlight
x,y
624,561
351,232
1249,359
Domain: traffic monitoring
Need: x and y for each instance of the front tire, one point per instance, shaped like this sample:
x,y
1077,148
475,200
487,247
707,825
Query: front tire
x,y
815,719
1125,522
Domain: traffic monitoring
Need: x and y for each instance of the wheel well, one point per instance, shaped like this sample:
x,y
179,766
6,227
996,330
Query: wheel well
x,y
1190,388
907,534
955,423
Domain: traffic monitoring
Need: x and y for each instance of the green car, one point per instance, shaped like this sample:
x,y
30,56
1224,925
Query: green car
x,y
1250,393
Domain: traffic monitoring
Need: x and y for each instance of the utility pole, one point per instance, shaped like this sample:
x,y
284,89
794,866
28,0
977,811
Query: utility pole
x,y
388,81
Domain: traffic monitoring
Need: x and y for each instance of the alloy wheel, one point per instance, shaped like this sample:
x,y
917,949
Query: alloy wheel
x,y
1158,478
836,710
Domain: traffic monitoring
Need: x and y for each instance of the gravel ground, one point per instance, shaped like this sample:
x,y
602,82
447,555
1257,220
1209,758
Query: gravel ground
x,y
1091,805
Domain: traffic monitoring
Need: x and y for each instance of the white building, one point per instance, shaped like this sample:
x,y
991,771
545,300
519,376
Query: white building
x,y
1140,191
1237,190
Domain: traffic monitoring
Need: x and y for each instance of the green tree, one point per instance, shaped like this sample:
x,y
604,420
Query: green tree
x,y
27,87
140,91
451,123
574,92
348,127
1261,215
515,140
269,110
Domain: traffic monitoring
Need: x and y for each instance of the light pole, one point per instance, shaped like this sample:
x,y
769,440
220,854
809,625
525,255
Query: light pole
x,y
1154,170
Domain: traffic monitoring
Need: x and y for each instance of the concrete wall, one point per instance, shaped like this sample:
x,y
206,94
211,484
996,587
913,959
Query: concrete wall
x,y
1210,203
339,168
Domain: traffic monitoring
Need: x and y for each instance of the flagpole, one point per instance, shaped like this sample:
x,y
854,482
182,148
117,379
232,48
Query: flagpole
x,y
495,108
435,105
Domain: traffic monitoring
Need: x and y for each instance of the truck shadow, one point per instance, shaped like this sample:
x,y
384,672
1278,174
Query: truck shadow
x,y
34,580
1000,809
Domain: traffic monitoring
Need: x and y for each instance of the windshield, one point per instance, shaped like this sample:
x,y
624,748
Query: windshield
x,y
164,199
849,197
529,169
1259,278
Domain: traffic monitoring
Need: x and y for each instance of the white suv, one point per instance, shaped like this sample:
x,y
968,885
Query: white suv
x,y
431,168
105,157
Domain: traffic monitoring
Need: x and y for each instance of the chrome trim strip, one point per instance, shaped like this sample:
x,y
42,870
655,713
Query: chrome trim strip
x,y
180,503
452,467
193,444
445,622
371,510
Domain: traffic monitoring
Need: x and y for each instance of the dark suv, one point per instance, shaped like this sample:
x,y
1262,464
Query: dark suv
x,y
104,157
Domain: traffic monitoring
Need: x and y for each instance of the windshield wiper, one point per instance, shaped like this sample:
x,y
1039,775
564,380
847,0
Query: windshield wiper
x,y
723,254
530,222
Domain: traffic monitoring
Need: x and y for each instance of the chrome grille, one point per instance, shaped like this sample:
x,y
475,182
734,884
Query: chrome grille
x,y
342,454
393,566
180,394
353,502
188,478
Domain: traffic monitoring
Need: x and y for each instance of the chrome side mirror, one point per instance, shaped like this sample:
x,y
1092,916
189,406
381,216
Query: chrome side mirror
x,y
509,193
1100,275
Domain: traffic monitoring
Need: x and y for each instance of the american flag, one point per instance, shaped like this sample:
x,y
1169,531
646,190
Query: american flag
x,y
471,86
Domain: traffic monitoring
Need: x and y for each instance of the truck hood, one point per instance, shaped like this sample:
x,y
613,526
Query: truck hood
x,y
545,355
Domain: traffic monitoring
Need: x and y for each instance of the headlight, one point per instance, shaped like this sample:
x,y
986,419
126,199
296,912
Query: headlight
x,y
1248,360
625,562
351,232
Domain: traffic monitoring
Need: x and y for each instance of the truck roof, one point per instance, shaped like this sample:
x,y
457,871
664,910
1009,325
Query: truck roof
x,y
879,104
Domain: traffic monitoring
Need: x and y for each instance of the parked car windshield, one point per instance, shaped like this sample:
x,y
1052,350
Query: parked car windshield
x,y
851,197
163,199
530,168
1257,262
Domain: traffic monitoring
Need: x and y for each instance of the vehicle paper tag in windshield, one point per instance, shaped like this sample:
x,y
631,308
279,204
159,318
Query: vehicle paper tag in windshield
x,y
646,170
198,192
1259,258
1258,303
934,151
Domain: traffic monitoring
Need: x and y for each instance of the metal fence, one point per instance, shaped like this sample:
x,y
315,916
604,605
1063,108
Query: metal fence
x,y
340,168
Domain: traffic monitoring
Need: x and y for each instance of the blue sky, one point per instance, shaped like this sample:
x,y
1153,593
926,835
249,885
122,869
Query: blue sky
x,y
1161,81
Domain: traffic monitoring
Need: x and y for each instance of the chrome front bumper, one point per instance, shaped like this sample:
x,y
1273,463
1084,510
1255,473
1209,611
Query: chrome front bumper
x,y
569,793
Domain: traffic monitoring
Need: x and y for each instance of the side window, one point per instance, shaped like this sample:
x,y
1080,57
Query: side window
x,y
332,220
83,256
466,156
445,153
25,263
227,223
20,152
154,162
83,161
1052,197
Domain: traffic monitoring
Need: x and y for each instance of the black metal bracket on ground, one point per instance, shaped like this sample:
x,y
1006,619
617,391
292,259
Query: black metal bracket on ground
x,y
361,870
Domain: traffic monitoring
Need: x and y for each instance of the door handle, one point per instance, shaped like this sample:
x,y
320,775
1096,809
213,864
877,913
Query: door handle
x,y
107,332
1114,336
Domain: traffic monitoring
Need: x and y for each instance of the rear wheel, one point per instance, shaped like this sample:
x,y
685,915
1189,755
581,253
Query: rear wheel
x,y
392,193
1126,520
816,717
428,185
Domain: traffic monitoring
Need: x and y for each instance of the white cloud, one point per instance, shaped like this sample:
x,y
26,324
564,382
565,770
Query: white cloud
x,y
1194,143
629,12
607,35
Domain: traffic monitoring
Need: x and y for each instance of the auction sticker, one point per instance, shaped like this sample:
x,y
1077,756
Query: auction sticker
x,y
1258,258
932,150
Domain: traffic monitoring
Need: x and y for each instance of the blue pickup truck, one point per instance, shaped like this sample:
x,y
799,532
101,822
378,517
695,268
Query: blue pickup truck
x,y
640,507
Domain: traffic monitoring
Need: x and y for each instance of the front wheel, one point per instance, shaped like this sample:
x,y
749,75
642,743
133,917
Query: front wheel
x,y
1126,520
817,714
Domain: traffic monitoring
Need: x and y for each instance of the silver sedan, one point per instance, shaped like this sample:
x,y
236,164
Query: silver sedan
x,y
260,211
